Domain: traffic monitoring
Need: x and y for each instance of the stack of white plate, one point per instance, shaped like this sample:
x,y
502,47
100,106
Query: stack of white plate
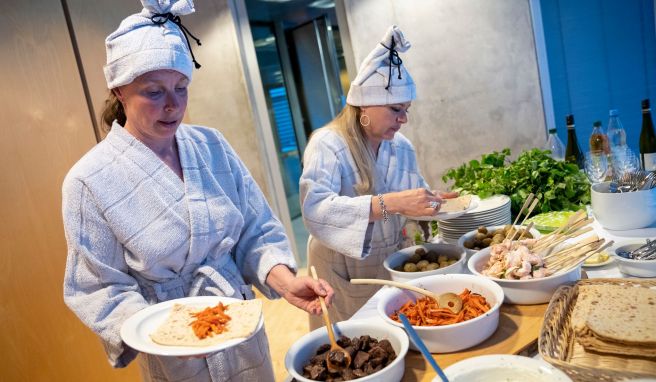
x,y
494,210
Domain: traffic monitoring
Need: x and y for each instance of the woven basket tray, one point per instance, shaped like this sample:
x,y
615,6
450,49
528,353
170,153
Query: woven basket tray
x,y
557,345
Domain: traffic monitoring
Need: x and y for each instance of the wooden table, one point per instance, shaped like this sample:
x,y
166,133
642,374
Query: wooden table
x,y
518,331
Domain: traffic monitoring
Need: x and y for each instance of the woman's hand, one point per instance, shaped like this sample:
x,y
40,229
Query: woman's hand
x,y
302,292
415,202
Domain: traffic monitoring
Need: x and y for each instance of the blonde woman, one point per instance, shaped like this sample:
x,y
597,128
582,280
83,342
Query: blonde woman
x,y
360,180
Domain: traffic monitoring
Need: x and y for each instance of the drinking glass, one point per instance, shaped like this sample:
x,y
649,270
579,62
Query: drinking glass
x,y
596,166
624,160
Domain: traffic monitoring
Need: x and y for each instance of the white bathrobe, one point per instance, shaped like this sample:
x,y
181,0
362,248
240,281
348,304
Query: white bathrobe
x,y
138,235
344,244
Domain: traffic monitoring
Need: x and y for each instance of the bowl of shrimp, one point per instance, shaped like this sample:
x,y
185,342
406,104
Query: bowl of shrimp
x,y
522,274
443,327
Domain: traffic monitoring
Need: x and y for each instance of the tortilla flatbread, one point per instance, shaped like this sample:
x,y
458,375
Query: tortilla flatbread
x,y
458,204
176,330
616,319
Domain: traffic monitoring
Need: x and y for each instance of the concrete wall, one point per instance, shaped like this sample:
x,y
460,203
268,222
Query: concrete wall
x,y
475,67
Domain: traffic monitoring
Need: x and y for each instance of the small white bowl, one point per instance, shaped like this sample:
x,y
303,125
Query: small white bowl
x,y
454,337
623,211
461,242
503,368
638,268
524,292
305,348
451,250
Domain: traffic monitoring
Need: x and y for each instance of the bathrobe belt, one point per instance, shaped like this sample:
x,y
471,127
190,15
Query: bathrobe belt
x,y
201,280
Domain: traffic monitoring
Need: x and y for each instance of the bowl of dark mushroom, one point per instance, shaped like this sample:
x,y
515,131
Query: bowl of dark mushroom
x,y
425,260
377,353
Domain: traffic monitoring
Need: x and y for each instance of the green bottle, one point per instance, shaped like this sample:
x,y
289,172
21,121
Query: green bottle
x,y
647,139
573,152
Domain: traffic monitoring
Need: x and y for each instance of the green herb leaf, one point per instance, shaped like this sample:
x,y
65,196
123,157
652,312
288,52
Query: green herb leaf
x,y
558,185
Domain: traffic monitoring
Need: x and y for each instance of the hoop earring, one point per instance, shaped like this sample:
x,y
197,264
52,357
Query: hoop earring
x,y
362,122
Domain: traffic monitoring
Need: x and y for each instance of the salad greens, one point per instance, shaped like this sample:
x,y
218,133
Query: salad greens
x,y
558,185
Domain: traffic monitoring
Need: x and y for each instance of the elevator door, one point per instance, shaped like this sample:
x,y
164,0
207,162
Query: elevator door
x,y
316,71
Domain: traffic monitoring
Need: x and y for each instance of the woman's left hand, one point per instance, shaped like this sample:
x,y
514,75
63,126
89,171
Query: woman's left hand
x,y
303,292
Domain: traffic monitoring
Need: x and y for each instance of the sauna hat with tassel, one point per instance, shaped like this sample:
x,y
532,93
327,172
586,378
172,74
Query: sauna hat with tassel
x,y
382,78
152,39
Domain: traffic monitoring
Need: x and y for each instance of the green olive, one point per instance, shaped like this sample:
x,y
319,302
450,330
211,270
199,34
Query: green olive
x,y
410,267
432,266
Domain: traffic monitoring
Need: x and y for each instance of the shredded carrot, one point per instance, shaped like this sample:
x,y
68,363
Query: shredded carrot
x,y
426,312
210,321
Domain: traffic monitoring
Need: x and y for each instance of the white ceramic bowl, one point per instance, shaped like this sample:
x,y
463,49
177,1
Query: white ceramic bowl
x,y
623,211
451,250
454,337
461,242
305,348
503,368
524,292
639,268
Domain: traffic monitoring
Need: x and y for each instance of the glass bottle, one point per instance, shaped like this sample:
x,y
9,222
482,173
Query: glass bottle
x,y
555,145
598,140
573,152
647,139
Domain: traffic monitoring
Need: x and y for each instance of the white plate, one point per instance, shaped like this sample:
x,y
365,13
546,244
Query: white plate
x,y
136,330
503,368
608,261
491,203
447,215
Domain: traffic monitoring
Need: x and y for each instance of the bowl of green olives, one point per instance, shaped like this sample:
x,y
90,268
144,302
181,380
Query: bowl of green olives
x,y
483,237
424,260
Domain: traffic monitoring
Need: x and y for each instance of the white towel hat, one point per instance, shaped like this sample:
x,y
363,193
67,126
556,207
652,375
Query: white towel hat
x,y
382,78
149,40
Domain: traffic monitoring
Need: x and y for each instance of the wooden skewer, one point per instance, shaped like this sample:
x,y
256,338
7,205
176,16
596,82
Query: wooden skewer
x,y
569,232
530,209
527,229
571,221
578,245
567,256
584,258
527,202
541,247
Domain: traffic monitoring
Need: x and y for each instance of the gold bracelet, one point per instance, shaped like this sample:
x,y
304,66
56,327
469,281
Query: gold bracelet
x,y
383,208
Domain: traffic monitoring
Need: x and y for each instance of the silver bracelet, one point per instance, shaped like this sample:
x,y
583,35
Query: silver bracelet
x,y
383,208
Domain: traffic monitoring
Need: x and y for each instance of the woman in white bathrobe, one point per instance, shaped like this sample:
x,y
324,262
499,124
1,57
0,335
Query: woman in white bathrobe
x,y
360,178
161,210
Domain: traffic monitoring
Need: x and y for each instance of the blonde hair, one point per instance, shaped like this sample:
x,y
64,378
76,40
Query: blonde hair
x,y
347,124
113,110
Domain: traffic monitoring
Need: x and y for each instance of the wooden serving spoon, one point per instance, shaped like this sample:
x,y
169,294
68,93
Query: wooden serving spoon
x,y
450,301
334,347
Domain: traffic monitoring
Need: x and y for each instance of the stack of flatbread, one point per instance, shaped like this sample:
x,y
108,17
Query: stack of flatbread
x,y
458,204
616,320
176,330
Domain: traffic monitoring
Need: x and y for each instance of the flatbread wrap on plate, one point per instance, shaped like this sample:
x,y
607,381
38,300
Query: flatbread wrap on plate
x,y
177,329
